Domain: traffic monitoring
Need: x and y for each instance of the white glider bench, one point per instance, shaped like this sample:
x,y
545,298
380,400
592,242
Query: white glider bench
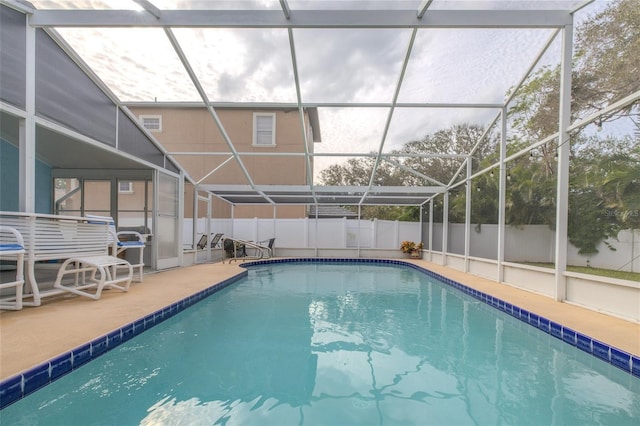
x,y
82,244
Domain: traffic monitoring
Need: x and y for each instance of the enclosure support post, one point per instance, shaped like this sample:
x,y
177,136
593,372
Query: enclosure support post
x,y
562,197
467,215
445,228
421,223
194,222
502,190
233,216
27,131
431,229
359,229
209,230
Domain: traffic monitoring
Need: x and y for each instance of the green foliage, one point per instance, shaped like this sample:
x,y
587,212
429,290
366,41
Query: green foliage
x,y
458,139
621,190
604,183
607,57
605,70
587,225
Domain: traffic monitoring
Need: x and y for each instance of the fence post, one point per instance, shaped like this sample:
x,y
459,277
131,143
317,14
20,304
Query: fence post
x,y
374,234
255,229
344,232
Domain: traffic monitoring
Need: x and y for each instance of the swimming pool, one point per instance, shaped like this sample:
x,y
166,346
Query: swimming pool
x,y
340,343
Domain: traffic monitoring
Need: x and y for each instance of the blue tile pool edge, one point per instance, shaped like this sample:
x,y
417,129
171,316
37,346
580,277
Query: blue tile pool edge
x,y
17,387
610,354
22,384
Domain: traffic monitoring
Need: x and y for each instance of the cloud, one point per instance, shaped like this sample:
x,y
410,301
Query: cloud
x,y
334,65
347,65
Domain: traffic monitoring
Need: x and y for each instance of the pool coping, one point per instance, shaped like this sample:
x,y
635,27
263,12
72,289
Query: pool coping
x,y
22,384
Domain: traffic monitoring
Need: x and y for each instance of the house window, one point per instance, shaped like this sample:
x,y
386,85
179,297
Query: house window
x,y
125,186
152,123
264,129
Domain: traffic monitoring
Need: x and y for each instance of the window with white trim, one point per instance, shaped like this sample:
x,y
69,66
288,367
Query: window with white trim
x,y
264,129
152,123
125,186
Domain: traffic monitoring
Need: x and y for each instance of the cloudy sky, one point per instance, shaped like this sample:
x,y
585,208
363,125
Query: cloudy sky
x,y
343,65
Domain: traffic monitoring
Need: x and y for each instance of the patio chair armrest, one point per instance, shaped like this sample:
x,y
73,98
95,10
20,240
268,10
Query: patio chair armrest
x,y
124,236
16,235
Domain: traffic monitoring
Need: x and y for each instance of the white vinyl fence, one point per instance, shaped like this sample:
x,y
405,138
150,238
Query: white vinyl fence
x,y
532,243
309,233
536,243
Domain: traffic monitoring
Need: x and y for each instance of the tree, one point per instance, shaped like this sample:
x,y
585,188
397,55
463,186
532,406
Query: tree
x,y
458,139
607,59
605,70
587,226
357,172
620,189
604,184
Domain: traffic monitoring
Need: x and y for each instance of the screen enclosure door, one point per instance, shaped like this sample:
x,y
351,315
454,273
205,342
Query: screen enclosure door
x,y
167,230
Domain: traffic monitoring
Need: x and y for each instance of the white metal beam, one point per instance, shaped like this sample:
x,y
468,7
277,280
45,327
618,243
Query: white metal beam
x,y
205,99
430,228
214,170
324,189
55,127
563,150
303,127
532,66
423,8
285,9
396,93
294,105
385,156
502,195
19,5
467,215
27,129
149,8
414,172
582,6
509,99
12,110
304,19
445,227
627,100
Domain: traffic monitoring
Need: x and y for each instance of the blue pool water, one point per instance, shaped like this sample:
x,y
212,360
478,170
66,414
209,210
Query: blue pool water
x,y
338,344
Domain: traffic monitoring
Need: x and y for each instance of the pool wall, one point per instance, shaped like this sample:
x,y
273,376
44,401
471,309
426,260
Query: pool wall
x,y
21,385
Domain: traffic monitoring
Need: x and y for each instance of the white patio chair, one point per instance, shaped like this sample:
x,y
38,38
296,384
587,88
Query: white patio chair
x,y
132,240
125,240
12,248
267,246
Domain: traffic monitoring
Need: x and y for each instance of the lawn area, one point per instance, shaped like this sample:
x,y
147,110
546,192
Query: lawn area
x,y
623,275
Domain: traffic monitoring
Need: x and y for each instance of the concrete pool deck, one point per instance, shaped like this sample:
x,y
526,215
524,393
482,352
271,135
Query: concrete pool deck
x,y
34,335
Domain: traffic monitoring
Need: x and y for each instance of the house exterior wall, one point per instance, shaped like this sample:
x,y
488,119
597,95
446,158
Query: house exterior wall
x,y
194,130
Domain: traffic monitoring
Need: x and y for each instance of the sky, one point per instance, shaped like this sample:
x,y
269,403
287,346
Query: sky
x,y
339,65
